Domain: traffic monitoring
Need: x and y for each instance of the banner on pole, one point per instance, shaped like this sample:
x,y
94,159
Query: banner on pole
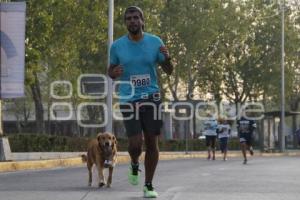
x,y
12,43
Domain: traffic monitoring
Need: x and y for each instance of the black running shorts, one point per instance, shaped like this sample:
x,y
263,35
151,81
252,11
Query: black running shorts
x,y
211,140
141,117
246,138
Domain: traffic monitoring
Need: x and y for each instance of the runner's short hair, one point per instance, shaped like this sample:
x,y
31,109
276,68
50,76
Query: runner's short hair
x,y
134,9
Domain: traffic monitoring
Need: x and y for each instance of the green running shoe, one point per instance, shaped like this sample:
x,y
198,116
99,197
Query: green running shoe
x,y
149,192
251,151
133,175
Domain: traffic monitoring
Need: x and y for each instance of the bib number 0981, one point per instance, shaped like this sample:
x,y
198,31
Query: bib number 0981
x,y
140,81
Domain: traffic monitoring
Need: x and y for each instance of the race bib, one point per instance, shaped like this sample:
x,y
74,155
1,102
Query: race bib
x,y
142,80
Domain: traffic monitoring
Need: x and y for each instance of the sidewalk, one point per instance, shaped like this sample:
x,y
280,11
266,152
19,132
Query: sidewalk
x,y
39,160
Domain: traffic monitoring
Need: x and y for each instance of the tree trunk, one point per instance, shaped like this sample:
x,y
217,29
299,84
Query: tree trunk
x,y
39,110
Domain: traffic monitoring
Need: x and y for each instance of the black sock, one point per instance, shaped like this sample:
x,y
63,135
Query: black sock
x,y
135,168
149,185
134,164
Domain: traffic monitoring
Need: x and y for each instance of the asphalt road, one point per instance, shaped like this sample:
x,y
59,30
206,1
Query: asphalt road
x,y
263,178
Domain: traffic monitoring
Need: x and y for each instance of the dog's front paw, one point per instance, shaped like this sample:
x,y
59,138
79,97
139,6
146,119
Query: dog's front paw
x,y
101,184
108,184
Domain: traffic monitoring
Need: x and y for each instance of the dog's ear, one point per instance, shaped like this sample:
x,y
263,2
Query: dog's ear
x,y
99,138
114,140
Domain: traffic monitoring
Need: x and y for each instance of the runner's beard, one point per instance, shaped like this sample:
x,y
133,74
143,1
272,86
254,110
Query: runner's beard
x,y
134,31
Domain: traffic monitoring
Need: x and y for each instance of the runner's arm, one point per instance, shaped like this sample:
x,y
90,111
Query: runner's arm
x,y
166,65
114,71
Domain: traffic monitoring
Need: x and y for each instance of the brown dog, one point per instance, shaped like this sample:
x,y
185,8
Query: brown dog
x,y
102,152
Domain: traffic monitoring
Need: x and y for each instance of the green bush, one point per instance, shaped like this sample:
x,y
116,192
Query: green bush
x,y
49,143
46,143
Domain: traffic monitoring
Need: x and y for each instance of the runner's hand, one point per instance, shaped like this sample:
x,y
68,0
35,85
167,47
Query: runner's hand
x,y
164,50
117,71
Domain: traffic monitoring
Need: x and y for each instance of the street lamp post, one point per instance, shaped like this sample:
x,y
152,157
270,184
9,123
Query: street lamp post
x,y
108,126
282,121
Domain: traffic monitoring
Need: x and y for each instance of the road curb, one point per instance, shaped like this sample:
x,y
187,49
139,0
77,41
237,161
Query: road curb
x,y
123,158
38,164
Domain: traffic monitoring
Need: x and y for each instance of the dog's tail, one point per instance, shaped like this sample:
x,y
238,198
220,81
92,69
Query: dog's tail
x,y
84,158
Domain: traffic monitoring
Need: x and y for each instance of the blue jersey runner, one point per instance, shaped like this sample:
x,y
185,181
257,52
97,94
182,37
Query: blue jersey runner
x,y
139,61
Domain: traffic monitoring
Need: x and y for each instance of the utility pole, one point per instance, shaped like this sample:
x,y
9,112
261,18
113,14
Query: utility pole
x,y
108,126
282,120
1,129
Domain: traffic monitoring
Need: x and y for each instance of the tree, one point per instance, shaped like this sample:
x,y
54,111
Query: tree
x,y
38,18
191,29
63,40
